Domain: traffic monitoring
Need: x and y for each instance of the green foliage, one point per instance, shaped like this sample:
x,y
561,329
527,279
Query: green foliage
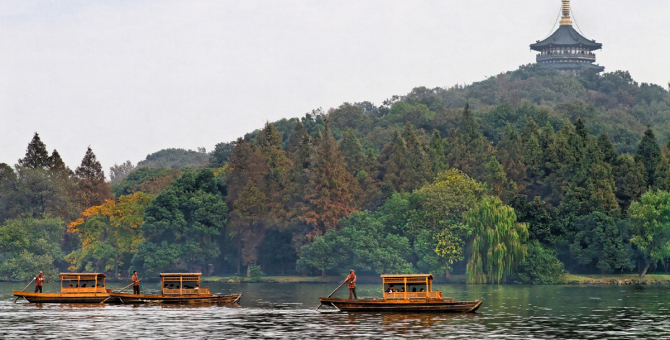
x,y
148,180
497,243
361,243
28,245
175,159
650,221
604,242
540,266
182,222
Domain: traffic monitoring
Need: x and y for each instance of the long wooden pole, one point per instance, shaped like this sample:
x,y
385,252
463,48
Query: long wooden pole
x,y
122,289
331,294
24,289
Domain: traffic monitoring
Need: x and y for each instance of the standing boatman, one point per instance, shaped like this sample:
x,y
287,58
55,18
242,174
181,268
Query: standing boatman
x,y
351,279
39,281
136,283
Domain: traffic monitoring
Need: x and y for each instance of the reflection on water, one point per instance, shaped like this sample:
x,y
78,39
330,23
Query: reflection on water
x,y
287,311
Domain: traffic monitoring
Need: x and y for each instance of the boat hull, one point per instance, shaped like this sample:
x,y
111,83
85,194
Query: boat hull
x,y
61,298
426,305
176,299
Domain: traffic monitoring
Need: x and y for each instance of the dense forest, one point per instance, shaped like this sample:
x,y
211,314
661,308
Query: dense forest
x,y
517,178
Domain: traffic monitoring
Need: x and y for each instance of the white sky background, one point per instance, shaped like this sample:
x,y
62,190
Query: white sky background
x,y
130,78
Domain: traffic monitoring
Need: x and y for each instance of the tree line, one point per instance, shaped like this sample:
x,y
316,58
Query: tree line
x,y
514,185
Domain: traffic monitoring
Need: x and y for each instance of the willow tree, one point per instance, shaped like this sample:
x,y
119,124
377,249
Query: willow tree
x,y
496,245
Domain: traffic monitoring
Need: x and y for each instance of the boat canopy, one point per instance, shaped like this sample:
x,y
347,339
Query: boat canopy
x,y
182,283
82,283
405,286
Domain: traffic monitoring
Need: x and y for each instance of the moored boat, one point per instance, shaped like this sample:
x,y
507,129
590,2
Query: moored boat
x,y
405,298
74,288
178,288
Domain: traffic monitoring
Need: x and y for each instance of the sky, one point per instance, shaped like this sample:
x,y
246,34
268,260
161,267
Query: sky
x,y
129,78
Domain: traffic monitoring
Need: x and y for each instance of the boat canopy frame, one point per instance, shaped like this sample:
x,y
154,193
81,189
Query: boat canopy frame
x,y
95,277
182,278
408,280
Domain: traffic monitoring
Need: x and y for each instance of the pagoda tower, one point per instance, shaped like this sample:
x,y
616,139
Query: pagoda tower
x,y
567,50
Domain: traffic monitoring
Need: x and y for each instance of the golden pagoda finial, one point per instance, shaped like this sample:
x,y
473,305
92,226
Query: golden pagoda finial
x,y
565,20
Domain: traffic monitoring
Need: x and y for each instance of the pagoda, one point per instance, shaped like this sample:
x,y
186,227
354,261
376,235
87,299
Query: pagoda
x,y
566,50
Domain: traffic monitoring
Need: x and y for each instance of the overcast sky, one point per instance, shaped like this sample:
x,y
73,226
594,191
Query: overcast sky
x,y
130,78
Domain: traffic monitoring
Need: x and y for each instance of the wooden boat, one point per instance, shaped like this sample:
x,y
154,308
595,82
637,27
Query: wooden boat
x,y
406,300
74,288
178,288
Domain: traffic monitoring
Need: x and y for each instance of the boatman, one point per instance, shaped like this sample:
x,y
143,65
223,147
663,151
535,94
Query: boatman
x,y
136,284
39,281
351,279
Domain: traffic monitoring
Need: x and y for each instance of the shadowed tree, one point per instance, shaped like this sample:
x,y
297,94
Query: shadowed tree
x,y
92,188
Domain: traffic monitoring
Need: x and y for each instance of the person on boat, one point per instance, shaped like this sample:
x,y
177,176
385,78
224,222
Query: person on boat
x,y
389,289
39,281
197,286
136,284
422,290
402,290
414,290
351,279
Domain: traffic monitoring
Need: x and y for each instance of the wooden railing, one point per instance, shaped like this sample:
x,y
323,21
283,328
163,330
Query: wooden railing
x,y
74,290
411,295
177,291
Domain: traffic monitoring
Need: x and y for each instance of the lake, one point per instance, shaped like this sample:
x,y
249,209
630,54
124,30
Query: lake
x,y
286,311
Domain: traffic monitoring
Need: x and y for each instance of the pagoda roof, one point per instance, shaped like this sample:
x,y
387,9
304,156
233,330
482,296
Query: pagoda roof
x,y
566,36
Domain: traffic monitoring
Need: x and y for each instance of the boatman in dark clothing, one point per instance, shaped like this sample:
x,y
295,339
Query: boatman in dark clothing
x,y
136,284
39,281
351,279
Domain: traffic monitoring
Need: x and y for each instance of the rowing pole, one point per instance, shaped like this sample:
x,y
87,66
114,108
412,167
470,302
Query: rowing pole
x,y
24,289
122,289
331,294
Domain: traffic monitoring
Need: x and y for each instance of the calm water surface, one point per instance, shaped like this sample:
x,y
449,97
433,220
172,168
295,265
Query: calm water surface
x,y
286,311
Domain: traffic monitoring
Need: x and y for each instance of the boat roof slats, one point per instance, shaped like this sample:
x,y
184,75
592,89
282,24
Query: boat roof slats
x,y
179,274
401,276
90,274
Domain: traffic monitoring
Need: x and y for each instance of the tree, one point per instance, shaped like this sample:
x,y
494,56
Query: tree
x,y
603,241
109,233
540,266
436,222
352,152
248,222
92,188
221,154
332,189
497,244
436,153
630,180
182,223
650,221
119,172
57,165
28,245
37,156
649,155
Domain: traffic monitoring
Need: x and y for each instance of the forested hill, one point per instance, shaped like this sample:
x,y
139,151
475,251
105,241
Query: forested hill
x,y
510,179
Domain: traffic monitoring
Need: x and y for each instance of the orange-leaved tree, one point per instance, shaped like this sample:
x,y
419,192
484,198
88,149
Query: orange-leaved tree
x,y
109,232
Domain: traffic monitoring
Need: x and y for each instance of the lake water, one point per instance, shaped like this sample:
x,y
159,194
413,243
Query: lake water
x,y
286,311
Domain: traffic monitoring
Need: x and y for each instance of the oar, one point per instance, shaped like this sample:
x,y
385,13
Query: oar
x,y
24,289
122,289
331,294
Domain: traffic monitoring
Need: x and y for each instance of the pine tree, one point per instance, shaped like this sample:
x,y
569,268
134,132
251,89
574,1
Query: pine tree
x,y
278,164
92,188
332,190
247,163
418,171
436,153
608,150
392,164
511,155
630,180
469,149
649,155
37,156
352,151
56,164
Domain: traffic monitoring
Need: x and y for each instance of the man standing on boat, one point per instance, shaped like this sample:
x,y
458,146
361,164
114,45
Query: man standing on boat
x,y
39,281
136,284
351,279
